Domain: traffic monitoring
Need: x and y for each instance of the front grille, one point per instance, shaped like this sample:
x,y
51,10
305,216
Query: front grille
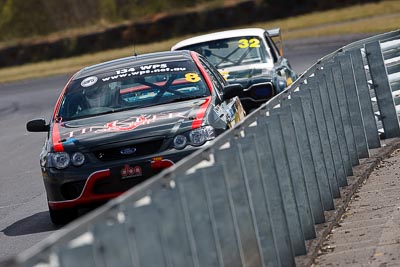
x,y
135,150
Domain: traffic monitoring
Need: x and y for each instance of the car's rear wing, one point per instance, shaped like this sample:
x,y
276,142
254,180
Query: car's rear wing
x,y
276,34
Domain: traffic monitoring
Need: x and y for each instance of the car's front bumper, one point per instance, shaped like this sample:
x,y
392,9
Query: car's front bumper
x,y
101,181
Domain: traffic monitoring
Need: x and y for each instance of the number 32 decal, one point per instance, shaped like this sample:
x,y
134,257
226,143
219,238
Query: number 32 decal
x,y
244,43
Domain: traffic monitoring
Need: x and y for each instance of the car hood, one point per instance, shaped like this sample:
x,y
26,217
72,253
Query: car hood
x,y
247,71
158,121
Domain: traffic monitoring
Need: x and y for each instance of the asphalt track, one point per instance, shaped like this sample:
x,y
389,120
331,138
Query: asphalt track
x,y
24,219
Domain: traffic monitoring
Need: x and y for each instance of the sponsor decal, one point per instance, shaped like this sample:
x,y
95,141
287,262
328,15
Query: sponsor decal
x,y
141,70
118,126
89,81
145,87
130,172
128,124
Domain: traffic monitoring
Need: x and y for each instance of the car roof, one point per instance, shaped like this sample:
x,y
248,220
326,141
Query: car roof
x,y
120,63
219,35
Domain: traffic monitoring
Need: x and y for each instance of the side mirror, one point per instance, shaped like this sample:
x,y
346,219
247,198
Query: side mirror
x,y
38,125
232,90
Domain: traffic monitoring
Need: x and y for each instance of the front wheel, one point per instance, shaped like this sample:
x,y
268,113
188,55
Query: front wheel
x,y
62,216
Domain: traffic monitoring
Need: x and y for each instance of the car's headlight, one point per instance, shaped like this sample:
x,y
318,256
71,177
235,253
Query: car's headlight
x,y
196,137
180,141
60,160
200,135
78,159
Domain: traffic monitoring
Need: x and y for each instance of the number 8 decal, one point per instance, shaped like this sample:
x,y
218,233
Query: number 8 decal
x,y
192,77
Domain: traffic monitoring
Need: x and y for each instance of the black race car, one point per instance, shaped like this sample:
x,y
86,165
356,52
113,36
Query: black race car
x,y
118,123
249,57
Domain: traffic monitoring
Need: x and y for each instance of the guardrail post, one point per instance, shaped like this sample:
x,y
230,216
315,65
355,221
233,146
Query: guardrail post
x,y
173,227
144,239
370,127
311,200
304,148
223,216
320,96
334,116
79,255
345,75
341,106
323,134
296,170
292,205
303,98
112,244
242,206
196,205
382,89
330,125
270,182
251,167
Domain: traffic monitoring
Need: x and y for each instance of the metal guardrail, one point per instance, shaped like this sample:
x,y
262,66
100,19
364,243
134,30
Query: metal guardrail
x,y
255,195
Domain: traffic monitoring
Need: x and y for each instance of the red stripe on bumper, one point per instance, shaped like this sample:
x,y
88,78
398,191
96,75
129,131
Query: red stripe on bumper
x,y
87,196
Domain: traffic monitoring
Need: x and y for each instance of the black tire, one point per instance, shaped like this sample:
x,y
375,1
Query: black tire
x,y
62,216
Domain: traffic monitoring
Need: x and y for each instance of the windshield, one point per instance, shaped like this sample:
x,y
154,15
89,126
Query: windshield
x,y
232,52
134,87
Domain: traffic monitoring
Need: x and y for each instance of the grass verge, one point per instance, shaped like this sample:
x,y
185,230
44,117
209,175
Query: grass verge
x,y
369,18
